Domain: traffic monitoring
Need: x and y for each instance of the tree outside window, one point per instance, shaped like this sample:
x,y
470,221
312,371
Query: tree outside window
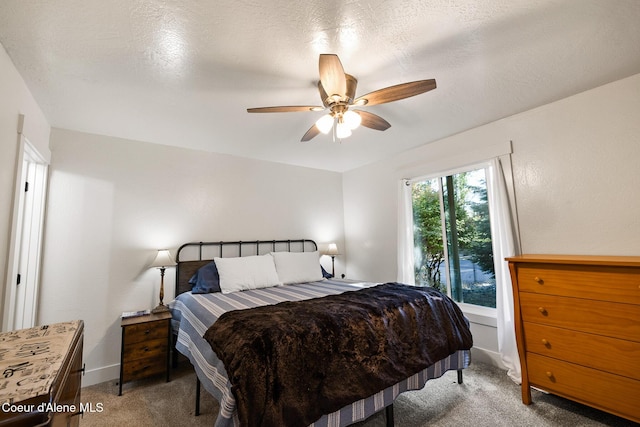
x,y
452,237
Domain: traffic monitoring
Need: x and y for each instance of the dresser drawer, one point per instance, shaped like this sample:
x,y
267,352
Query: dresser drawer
x,y
145,331
596,317
143,349
594,282
602,390
142,368
595,351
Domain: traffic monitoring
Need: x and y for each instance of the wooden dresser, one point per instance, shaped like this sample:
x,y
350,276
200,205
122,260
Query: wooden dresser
x,y
578,328
40,375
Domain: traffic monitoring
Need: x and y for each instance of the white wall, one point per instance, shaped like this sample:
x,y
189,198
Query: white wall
x,y
576,169
15,99
113,202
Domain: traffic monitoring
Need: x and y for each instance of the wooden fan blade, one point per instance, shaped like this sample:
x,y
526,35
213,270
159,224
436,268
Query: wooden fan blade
x,y
311,133
286,109
323,95
397,92
373,121
332,75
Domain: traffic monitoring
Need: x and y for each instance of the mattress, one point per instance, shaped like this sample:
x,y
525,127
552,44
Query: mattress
x,y
194,313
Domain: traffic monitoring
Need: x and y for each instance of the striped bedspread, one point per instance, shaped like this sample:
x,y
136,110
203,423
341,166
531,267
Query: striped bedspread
x,y
193,314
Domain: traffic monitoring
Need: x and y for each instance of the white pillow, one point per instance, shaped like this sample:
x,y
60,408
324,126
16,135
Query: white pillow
x,y
298,267
247,272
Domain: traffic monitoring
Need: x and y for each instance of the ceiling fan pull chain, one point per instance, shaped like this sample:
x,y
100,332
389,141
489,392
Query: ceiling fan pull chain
x,y
333,129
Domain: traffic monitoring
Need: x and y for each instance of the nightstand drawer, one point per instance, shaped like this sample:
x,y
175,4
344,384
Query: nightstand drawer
x,y
145,332
142,368
597,317
144,349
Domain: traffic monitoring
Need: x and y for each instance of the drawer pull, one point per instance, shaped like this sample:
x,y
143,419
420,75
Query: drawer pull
x,y
145,348
147,332
550,375
545,342
542,310
538,280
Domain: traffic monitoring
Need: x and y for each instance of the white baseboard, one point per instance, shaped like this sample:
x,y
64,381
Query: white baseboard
x,y
486,356
100,375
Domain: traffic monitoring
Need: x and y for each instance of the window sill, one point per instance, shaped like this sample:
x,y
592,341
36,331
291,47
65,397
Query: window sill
x,y
480,315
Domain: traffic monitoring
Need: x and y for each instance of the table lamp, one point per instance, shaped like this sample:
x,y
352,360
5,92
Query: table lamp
x,y
162,261
332,251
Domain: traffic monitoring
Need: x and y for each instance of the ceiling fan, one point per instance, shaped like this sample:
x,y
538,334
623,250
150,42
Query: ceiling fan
x,y
337,92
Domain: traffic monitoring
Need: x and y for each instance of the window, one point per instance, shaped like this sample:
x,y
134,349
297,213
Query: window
x,y
452,236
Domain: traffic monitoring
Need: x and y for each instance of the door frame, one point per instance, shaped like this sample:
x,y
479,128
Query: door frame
x,y
25,255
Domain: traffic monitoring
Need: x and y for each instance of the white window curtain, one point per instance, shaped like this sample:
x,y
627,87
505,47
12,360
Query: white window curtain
x,y
505,243
406,272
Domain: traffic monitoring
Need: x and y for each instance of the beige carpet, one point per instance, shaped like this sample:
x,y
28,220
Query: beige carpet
x,y
487,398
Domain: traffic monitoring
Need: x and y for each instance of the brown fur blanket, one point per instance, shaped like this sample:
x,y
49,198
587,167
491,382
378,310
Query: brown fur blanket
x,y
292,362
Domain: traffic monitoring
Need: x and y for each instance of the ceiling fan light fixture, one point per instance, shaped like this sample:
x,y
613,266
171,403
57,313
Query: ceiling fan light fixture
x,y
325,123
342,130
351,119
337,91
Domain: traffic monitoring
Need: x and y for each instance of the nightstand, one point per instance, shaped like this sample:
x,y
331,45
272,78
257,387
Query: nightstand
x,y
146,344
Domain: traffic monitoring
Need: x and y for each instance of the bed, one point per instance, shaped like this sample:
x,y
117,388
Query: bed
x,y
195,313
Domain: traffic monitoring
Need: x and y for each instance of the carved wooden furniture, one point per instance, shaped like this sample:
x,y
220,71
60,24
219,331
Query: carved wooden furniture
x,y
145,347
578,328
40,375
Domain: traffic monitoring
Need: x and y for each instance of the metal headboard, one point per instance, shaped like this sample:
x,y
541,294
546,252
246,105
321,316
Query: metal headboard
x,y
191,256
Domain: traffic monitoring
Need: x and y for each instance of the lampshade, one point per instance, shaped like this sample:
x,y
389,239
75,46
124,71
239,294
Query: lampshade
x,y
325,123
333,249
342,130
352,119
163,259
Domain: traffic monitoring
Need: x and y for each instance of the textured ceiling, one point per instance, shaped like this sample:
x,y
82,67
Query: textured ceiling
x,y
183,72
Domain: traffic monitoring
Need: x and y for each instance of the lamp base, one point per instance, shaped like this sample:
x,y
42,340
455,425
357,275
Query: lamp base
x,y
160,309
